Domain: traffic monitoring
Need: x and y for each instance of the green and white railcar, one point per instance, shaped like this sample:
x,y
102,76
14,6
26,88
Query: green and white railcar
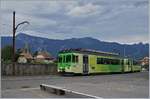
x,y
83,61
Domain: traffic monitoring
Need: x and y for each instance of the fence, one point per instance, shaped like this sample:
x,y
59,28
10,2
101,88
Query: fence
x,y
29,69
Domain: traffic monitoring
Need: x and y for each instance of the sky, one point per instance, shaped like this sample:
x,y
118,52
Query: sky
x,y
122,21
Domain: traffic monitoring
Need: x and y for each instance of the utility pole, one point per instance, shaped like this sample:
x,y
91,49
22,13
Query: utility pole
x,y
14,31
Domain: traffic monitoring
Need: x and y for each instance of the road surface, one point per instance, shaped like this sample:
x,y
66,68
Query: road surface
x,y
129,85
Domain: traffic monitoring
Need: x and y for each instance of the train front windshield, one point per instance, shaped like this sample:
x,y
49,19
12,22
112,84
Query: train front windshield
x,y
70,58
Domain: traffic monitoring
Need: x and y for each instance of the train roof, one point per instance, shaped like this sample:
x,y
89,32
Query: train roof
x,y
89,51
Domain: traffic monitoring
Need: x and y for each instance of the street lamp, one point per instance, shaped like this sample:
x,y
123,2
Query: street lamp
x,y
14,32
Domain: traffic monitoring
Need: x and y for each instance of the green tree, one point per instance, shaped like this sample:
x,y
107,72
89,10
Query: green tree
x,y
35,53
7,53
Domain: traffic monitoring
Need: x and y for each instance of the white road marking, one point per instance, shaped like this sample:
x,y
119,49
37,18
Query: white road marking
x,y
56,87
22,89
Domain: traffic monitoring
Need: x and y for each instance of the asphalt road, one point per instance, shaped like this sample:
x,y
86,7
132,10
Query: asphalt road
x,y
129,85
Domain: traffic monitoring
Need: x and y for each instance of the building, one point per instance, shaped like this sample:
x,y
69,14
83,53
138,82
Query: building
x,y
145,63
44,57
25,56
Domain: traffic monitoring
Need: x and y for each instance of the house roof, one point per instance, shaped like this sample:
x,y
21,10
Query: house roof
x,y
26,55
145,59
45,54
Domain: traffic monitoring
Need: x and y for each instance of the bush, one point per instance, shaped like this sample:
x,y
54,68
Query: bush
x,y
7,62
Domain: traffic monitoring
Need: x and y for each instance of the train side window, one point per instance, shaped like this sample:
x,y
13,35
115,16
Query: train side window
x,y
113,61
76,59
128,62
99,60
135,63
73,58
122,62
103,61
106,61
64,60
117,62
60,59
110,61
68,58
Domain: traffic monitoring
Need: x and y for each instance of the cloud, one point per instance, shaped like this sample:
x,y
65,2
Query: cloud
x,y
130,39
102,19
85,10
141,3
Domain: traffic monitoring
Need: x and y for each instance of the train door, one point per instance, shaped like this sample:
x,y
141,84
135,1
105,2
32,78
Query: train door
x,y
129,65
85,64
122,63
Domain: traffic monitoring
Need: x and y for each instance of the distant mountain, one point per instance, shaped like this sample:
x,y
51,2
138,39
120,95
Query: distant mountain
x,y
137,51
